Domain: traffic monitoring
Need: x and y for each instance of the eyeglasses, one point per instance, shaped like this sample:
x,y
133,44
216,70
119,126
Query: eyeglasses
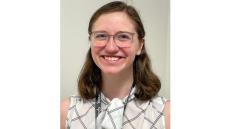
x,y
101,38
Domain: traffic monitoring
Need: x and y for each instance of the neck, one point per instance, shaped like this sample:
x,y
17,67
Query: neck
x,y
117,86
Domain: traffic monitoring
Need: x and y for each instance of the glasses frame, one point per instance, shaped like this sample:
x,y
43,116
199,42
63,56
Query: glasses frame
x,y
115,40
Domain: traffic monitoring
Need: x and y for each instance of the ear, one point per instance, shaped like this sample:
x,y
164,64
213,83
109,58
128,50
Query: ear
x,y
141,44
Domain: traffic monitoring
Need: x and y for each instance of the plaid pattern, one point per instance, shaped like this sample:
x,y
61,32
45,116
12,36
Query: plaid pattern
x,y
112,116
138,114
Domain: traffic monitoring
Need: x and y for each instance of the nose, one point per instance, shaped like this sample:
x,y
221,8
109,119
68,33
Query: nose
x,y
111,45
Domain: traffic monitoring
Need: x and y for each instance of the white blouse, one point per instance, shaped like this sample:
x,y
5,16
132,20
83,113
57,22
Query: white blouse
x,y
137,115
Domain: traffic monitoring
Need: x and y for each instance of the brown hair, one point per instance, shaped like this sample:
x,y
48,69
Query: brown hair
x,y
147,83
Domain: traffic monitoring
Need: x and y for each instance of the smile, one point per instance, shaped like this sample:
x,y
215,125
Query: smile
x,y
111,58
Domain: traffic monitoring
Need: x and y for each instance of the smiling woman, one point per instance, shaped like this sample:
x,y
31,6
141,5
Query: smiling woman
x,y
117,86
115,57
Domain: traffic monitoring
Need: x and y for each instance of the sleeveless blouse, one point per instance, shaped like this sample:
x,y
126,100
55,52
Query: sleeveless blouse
x,y
137,115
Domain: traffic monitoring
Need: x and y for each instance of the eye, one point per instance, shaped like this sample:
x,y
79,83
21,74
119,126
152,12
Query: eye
x,y
100,36
124,37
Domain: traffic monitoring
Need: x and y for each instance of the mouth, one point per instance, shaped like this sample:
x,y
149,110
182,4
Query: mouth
x,y
112,58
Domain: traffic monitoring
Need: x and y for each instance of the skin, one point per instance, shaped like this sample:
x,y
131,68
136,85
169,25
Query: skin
x,y
64,109
117,76
167,114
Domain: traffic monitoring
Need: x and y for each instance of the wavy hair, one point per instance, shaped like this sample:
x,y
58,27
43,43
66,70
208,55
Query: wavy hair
x,y
146,81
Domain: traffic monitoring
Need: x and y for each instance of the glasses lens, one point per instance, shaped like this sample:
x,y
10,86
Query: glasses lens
x,y
99,38
124,39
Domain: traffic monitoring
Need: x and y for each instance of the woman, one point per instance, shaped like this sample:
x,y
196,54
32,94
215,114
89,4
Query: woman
x,y
117,86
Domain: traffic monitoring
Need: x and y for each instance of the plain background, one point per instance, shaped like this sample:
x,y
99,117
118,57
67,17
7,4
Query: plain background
x,y
30,64
75,15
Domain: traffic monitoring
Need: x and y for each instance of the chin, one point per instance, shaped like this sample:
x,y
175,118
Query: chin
x,y
111,71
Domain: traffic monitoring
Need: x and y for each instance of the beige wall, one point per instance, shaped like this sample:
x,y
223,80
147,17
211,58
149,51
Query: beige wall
x,y
75,16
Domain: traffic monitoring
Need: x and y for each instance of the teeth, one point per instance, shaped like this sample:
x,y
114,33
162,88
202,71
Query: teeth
x,y
111,58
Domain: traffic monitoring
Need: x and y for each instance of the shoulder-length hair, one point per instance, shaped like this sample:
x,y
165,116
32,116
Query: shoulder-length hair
x,y
146,82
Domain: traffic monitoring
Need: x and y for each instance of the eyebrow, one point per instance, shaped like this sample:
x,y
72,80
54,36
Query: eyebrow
x,y
99,31
103,31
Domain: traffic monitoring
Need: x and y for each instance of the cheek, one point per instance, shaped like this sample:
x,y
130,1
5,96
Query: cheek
x,y
133,50
130,53
95,52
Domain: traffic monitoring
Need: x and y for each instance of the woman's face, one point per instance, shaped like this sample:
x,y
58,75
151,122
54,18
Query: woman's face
x,y
111,57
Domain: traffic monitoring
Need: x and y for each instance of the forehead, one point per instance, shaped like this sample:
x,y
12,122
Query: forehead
x,y
113,22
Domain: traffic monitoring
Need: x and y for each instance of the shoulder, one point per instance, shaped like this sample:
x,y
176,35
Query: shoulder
x,y
159,102
162,104
70,102
167,114
64,109
66,105
70,106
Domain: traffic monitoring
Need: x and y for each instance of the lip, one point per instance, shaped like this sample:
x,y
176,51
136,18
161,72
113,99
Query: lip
x,y
111,59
